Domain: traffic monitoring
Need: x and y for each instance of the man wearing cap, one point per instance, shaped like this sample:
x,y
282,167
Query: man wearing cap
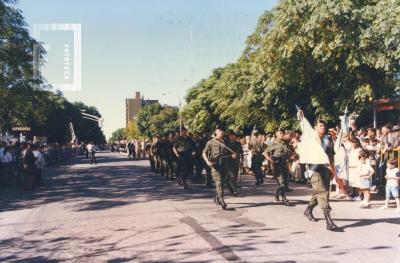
x,y
319,176
256,147
233,165
278,153
184,151
214,154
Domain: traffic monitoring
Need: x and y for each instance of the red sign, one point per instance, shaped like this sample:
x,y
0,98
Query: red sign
x,y
387,104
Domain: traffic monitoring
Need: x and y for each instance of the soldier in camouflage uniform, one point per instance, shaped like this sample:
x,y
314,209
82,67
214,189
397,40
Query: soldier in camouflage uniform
x,y
319,176
214,154
256,146
150,153
171,162
278,153
155,152
208,178
233,165
184,152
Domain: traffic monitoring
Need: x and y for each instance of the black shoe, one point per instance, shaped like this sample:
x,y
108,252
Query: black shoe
x,y
261,181
235,194
185,186
308,213
284,199
257,183
222,202
276,194
330,225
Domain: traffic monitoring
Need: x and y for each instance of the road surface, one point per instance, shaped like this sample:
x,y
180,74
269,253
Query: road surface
x,y
118,211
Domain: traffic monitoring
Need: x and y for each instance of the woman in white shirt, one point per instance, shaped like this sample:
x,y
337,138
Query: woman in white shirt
x,y
354,163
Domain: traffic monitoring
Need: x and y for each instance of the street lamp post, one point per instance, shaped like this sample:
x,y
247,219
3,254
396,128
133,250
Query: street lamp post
x,y
179,107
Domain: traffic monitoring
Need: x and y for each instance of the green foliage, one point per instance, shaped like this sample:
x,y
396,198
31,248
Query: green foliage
x,y
22,101
132,131
144,116
322,55
155,119
118,135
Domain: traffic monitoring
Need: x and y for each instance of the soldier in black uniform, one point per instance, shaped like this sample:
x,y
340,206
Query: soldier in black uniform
x,y
198,159
278,153
184,151
233,165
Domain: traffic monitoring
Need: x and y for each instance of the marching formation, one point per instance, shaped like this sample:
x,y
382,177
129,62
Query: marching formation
x,y
180,156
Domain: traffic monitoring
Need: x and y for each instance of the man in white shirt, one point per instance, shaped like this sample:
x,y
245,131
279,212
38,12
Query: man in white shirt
x,y
92,150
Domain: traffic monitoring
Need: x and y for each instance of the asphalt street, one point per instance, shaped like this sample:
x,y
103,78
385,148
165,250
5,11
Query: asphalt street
x,y
119,211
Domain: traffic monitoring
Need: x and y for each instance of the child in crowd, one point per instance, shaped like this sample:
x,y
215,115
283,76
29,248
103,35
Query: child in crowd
x,y
392,184
365,172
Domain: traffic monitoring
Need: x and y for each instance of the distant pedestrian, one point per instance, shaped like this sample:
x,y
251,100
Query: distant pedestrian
x,y
91,148
28,166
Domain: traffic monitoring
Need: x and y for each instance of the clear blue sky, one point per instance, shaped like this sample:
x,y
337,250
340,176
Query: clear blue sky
x,y
151,46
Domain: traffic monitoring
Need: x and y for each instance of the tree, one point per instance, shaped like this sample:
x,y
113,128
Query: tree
x,y
144,116
322,55
164,122
118,135
17,63
132,131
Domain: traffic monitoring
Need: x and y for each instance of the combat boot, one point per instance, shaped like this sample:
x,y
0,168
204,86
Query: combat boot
x,y
330,225
216,200
222,202
276,194
308,213
284,199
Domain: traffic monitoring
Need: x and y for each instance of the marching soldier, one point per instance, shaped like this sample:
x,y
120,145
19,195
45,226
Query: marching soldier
x,y
183,150
319,176
156,154
209,180
150,153
214,153
198,160
233,164
278,153
256,146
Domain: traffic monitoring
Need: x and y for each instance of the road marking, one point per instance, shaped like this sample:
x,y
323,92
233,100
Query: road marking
x,y
215,244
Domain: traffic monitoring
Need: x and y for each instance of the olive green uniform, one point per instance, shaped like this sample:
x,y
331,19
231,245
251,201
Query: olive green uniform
x,y
280,154
215,150
320,178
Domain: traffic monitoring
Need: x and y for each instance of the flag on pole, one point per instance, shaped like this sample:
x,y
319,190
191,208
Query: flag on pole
x,y
310,148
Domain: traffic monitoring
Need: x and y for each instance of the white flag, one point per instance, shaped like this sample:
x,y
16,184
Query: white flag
x,y
310,149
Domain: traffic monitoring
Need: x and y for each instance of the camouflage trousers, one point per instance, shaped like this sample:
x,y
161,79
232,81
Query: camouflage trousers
x,y
281,175
320,183
218,175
